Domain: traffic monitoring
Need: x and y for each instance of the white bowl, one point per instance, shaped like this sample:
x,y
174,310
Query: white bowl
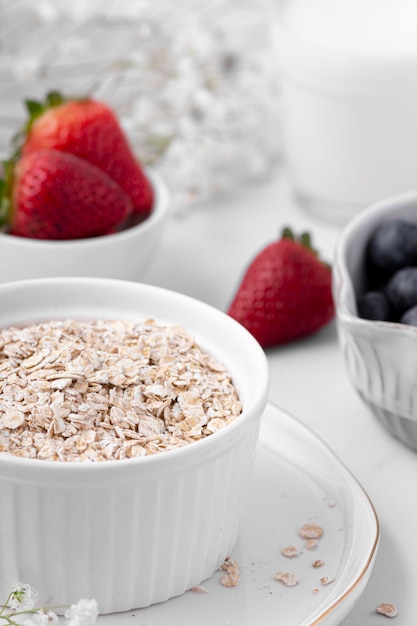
x,y
126,254
130,532
380,357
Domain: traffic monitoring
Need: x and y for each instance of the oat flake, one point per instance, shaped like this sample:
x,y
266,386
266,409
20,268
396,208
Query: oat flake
x,y
290,552
387,609
232,576
290,580
199,589
311,531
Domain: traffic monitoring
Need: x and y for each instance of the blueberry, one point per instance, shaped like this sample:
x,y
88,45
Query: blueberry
x,y
392,246
410,317
373,305
401,289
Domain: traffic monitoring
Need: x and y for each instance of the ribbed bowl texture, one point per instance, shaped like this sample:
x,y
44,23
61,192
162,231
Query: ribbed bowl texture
x,y
380,357
134,532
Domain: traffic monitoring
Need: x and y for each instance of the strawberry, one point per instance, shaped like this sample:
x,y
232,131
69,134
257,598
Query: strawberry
x,y
285,293
89,129
49,194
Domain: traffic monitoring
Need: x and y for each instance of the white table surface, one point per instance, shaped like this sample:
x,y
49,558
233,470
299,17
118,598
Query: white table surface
x,y
203,254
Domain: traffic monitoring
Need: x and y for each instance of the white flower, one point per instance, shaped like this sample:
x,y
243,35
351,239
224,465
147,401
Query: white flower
x,y
84,613
40,618
22,597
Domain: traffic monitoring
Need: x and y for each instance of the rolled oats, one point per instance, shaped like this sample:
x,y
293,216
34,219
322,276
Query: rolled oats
x,y
387,609
311,531
290,551
113,389
232,576
199,589
289,580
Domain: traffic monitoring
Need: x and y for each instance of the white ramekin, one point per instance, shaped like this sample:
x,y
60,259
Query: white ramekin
x,y
125,255
134,532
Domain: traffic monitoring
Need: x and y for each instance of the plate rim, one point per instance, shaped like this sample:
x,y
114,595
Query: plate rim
x,y
270,414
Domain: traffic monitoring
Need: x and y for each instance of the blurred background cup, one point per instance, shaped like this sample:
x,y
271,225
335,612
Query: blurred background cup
x,y
349,88
194,84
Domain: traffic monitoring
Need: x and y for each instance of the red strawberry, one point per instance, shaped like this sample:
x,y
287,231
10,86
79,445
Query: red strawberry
x,y
51,194
90,130
285,293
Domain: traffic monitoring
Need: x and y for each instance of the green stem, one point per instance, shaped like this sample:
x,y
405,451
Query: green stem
x,y
4,606
41,608
8,618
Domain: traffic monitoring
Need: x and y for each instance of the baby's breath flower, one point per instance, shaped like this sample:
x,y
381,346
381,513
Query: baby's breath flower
x,y
40,618
20,608
84,613
199,88
22,597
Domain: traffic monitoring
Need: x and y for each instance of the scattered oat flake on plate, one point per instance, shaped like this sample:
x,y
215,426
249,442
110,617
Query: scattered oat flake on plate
x,y
199,589
311,543
326,580
232,576
318,563
315,591
387,609
290,551
311,531
290,580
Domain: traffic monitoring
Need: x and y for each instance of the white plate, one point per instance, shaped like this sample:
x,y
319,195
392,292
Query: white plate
x,y
297,479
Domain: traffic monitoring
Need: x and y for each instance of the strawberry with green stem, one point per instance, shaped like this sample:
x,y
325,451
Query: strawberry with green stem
x,y
285,293
89,129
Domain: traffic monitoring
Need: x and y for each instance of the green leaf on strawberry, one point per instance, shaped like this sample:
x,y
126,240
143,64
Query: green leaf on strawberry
x,y
35,109
6,184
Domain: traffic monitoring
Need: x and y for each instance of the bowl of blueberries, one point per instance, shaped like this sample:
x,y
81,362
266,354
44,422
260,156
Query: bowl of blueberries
x,y
375,294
